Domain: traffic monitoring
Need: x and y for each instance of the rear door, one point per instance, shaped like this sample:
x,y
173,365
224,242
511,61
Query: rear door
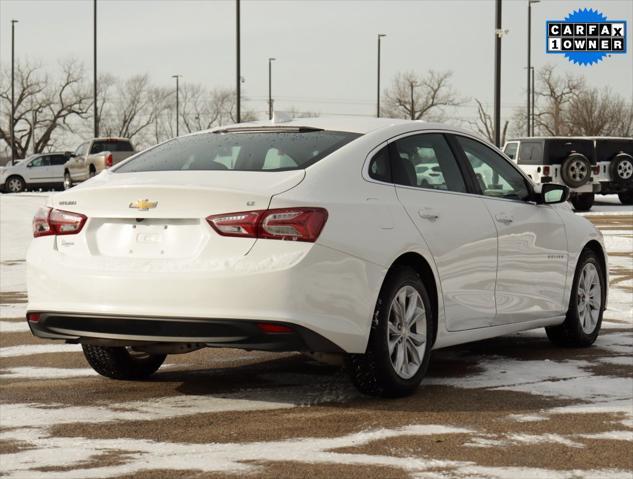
x,y
532,240
455,225
57,168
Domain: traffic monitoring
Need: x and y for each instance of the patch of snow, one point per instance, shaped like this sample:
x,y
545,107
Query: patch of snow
x,y
45,373
30,349
13,310
13,326
610,435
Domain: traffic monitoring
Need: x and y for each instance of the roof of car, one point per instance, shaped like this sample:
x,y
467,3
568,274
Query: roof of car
x,y
352,124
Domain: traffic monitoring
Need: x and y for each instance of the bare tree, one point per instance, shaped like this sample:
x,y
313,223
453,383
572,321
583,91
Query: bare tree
x,y
485,124
132,109
415,96
594,112
43,106
554,94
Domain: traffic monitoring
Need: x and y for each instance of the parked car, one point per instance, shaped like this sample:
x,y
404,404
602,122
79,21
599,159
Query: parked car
x,y
312,235
559,160
614,158
92,157
43,170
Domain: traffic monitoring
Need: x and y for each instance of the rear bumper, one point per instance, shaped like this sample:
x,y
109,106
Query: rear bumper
x,y
305,285
134,330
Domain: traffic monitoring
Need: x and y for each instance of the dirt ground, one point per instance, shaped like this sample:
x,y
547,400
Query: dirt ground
x,y
510,407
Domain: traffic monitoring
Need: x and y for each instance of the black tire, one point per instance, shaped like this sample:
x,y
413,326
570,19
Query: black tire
x,y
576,170
14,184
120,363
583,201
571,332
92,172
621,169
626,197
68,181
373,372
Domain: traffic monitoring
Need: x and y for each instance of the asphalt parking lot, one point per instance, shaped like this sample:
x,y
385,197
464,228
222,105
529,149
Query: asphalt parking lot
x,y
510,407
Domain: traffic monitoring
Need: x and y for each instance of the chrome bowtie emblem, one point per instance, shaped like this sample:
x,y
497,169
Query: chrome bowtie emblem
x,y
143,205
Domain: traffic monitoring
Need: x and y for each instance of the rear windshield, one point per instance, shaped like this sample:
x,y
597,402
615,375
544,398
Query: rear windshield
x,y
243,151
110,145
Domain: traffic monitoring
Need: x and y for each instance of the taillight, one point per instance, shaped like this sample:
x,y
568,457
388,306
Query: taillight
x,y
108,160
292,224
546,171
596,170
49,221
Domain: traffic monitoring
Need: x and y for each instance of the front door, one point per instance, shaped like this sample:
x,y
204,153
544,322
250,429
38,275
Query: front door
x,y
455,225
532,241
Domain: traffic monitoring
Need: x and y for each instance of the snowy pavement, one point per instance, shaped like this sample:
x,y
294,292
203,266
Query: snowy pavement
x,y
506,408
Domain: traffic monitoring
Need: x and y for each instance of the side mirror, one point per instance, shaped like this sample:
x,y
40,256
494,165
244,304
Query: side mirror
x,y
29,165
551,194
69,154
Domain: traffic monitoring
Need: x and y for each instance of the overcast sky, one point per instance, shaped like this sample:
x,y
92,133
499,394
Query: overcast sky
x,y
326,50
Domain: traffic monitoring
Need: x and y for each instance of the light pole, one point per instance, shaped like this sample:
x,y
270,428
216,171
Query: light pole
x,y
413,84
533,101
94,70
177,77
13,22
380,36
238,74
529,65
270,88
497,107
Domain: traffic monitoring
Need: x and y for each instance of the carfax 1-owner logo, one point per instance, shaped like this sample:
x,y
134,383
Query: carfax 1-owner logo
x,y
586,36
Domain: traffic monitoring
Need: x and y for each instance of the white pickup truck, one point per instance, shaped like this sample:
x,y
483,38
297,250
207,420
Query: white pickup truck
x,y
93,156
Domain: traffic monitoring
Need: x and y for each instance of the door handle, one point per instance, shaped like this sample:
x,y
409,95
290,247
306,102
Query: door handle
x,y
504,218
428,214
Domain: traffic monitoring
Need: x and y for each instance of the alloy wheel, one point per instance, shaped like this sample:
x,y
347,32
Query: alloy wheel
x,y
14,185
406,334
578,170
589,297
625,169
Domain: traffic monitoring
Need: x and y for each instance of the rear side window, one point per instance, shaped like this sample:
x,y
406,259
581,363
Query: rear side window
x,y
426,161
110,145
58,160
531,153
241,151
379,167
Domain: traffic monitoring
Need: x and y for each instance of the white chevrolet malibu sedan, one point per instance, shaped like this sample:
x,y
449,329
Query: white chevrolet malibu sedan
x,y
313,235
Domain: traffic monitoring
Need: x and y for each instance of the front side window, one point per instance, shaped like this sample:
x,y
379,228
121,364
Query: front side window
x,y
40,161
82,149
426,161
511,150
531,153
241,151
495,175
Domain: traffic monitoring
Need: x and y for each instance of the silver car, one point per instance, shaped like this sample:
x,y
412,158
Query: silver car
x,y
43,170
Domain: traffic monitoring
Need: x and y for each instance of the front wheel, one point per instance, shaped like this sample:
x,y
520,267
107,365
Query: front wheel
x,y
583,201
122,363
15,184
626,197
399,347
586,305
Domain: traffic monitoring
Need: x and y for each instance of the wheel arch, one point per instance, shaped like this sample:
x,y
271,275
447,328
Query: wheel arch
x,y
421,266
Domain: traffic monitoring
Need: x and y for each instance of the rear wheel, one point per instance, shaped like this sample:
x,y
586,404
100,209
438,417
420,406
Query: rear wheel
x,y
622,169
584,317
576,170
626,197
583,201
399,347
122,363
92,172
68,181
14,184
